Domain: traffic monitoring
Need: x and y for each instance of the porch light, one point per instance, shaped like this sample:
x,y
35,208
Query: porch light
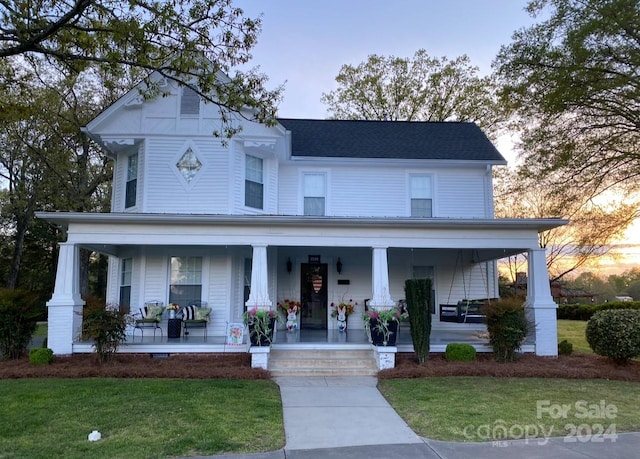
x,y
289,265
339,266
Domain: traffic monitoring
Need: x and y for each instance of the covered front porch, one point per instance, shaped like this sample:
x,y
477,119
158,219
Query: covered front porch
x,y
256,261
300,339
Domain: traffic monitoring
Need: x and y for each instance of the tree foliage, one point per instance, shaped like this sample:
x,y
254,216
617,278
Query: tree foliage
x,y
188,41
592,229
573,82
421,88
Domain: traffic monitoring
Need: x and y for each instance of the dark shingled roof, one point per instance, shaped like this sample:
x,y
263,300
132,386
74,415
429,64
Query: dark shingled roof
x,y
390,139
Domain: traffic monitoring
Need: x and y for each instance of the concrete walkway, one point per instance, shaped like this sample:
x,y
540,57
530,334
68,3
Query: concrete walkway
x,y
347,417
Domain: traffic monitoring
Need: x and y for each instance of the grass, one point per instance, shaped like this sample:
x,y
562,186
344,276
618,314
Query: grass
x,y
574,332
41,329
483,409
43,418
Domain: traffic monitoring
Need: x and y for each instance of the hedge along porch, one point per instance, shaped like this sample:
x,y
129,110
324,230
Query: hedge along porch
x,y
375,254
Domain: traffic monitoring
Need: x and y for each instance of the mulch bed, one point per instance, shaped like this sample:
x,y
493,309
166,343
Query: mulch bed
x,y
238,366
575,366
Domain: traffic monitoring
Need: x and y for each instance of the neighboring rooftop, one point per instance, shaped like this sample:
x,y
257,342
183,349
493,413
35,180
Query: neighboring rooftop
x,y
390,139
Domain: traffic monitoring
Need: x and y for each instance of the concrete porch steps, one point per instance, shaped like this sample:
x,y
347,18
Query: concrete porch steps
x,y
322,362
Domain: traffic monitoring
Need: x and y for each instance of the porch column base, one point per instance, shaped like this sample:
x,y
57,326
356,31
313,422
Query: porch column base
x,y
543,319
385,356
260,356
64,326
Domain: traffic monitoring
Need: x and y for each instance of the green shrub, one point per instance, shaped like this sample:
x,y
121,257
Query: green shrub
x,y
615,333
507,327
106,326
18,316
585,311
40,356
460,352
565,347
418,296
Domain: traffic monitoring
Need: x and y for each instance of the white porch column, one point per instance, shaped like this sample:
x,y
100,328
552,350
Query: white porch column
x,y
381,297
259,292
540,307
65,306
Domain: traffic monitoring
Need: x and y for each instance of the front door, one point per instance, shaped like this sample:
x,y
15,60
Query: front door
x,y
313,296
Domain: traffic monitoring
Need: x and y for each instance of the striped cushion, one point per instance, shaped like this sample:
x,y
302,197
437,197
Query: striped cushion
x,y
189,312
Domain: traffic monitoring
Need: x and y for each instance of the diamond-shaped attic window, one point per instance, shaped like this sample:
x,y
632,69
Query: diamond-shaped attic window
x,y
189,165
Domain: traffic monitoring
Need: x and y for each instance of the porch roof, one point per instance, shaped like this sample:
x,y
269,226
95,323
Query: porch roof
x,y
489,238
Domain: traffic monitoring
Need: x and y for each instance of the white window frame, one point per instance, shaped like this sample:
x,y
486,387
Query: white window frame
x,y
411,195
129,179
125,282
247,179
304,196
187,92
202,274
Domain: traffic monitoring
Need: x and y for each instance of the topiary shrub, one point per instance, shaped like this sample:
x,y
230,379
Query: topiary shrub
x,y
565,347
615,333
18,316
106,326
418,296
507,327
460,352
40,356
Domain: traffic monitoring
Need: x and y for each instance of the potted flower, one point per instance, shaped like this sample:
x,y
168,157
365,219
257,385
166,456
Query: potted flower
x,y
173,309
382,325
341,313
290,309
261,323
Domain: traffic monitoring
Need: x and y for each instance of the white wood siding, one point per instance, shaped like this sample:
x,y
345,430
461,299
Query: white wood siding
x,y
461,193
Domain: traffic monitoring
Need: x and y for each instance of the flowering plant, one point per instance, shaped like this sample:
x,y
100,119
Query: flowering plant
x,y
173,307
289,304
380,321
349,307
260,322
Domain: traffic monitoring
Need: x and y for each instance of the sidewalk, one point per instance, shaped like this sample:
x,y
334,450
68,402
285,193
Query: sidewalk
x,y
316,411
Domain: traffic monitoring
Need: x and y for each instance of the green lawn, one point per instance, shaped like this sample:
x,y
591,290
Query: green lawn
x,y
573,331
483,409
138,418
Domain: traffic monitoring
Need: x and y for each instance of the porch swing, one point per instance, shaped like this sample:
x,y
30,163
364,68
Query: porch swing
x,y
466,310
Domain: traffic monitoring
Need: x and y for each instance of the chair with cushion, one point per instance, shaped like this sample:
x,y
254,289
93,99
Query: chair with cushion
x,y
150,317
195,315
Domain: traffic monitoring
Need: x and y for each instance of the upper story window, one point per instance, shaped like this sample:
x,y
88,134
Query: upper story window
x,y
314,189
421,200
253,182
132,181
189,102
125,285
186,280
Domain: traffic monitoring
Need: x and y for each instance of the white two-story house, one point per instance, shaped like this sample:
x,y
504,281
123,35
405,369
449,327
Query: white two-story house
x,y
246,223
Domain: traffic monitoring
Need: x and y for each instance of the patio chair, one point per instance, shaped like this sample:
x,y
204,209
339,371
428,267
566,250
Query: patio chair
x,y
195,315
149,317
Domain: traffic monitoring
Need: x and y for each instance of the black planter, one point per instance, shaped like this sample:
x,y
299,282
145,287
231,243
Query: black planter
x,y
377,336
259,339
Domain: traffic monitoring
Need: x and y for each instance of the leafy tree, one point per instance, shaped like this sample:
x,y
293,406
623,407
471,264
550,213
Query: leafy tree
x,y
187,41
633,289
572,82
421,88
588,236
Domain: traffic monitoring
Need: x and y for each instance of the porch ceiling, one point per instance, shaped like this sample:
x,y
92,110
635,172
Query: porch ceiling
x,y
494,238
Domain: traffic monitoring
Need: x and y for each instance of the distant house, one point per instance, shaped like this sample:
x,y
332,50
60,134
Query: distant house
x,y
362,205
624,298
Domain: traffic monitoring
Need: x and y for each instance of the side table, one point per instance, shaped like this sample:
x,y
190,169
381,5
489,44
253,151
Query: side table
x,y
173,328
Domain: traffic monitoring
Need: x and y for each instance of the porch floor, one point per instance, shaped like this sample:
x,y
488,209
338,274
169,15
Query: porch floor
x,y
300,339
